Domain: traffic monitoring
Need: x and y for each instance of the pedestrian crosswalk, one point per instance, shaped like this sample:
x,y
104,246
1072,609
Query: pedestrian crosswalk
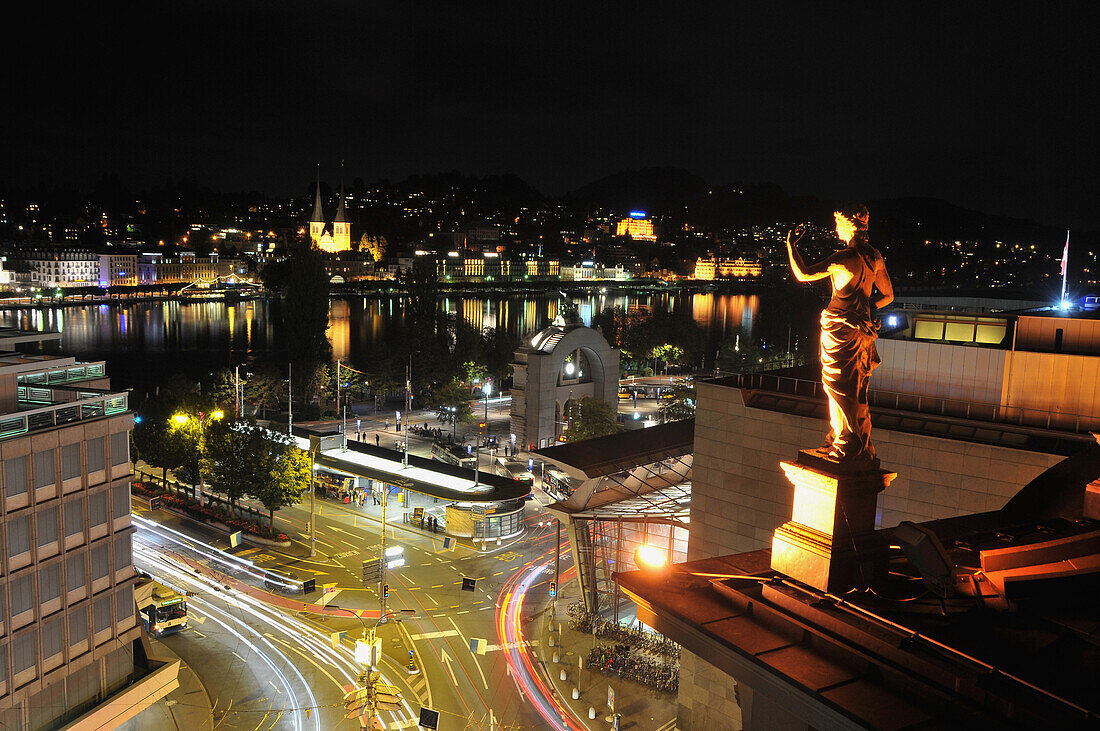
x,y
419,687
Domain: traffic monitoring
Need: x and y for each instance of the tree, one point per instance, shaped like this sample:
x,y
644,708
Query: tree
x,y
589,418
264,387
680,406
305,313
221,388
499,348
186,434
374,245
227,458
281,471
158,444
452,404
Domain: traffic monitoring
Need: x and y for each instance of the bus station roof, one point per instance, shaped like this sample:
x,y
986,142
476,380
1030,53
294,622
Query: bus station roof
x,y
423,475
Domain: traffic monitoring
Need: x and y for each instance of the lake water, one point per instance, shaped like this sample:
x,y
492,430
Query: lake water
x,y
144,342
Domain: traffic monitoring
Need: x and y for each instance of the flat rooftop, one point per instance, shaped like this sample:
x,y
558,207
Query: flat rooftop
x,y
425,476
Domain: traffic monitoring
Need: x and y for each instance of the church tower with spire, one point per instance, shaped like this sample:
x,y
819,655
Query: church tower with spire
x,y
341,227
317,220
336,239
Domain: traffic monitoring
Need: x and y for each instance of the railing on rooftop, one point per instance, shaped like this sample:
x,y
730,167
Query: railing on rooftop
x,y
63,408
923,404
79,372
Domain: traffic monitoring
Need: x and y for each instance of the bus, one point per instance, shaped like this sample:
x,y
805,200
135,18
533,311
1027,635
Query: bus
x,y
455,454
163,610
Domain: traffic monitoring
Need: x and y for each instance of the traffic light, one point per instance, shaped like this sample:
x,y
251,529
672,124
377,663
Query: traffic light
x,y
385,591
553,589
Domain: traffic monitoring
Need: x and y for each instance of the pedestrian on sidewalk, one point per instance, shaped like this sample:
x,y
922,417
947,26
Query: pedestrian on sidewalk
x,y
377,439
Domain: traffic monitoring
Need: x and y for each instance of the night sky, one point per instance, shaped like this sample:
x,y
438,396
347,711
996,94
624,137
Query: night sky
x,y
986,108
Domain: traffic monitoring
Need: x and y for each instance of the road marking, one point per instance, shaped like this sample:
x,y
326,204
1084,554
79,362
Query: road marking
x,y
498,573
438,586
239,657
328,596
447,660
434,635
512,646
273,686
418,688
464,611
472,656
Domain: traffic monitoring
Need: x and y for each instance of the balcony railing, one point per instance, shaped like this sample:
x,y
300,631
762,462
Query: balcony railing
x,y
923,404
79,372
62,405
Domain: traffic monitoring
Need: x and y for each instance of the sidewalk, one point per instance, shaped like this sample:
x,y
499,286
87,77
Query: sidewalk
x,y
642,708
185,708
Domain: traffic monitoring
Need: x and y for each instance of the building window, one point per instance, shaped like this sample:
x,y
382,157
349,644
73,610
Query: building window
x,y
74,517
124,602
47,526
49,583
124,554
97,459
97,509
22,652
121,498
19,536
44,470
100,566
15,476
75,572
53,638
120,448
22,594
70,461
78,625
101,614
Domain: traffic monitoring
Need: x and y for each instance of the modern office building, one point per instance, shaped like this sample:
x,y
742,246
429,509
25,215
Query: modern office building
x,y
71,646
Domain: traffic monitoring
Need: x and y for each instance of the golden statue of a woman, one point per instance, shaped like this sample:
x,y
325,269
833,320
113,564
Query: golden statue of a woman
x,y
848,332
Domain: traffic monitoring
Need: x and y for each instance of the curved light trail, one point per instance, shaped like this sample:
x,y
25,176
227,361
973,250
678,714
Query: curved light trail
x,y
316,645
510,636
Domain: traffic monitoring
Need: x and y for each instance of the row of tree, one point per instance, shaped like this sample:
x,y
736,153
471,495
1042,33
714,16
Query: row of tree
x,y
185,430
652,340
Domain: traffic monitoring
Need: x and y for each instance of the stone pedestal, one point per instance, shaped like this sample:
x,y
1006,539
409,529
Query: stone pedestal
x,y
828,543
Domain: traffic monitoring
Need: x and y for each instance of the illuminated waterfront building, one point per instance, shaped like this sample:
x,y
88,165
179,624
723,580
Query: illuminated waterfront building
x,y
709,268
637,227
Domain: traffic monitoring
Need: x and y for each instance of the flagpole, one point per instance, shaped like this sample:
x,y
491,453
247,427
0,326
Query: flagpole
x,y
1065,269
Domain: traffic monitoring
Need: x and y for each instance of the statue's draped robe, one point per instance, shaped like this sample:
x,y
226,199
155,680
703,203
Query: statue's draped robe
x,y
848,355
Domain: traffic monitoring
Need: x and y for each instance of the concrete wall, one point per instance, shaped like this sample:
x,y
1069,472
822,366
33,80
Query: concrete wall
x,y
740,495
708,699
1057,383
967,373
